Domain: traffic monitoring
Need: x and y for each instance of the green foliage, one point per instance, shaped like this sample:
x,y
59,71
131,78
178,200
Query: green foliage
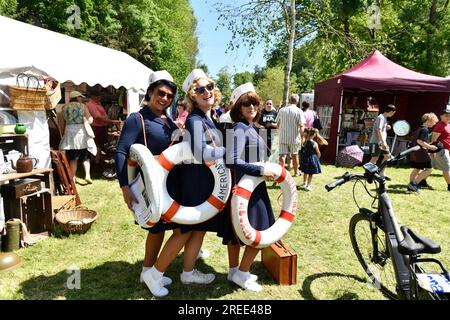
x,y
8,8
203,66
155,32
223,82
242,77
272,85
332,36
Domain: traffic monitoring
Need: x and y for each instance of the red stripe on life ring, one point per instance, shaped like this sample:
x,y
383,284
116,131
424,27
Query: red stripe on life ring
x,y
244,193
287,216
132,163
170,213
257,239
216,203
165,163
282,176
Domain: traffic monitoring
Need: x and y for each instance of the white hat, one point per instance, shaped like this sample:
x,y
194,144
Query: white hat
x,y
196,73
159,75
75,94
239,91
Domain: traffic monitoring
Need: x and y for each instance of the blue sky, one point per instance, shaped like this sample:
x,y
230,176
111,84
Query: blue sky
x,y
212,43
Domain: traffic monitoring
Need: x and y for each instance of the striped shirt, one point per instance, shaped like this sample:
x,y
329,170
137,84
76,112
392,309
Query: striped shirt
x,y
289,120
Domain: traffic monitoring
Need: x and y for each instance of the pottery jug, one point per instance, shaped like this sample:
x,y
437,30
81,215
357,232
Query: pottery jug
x,y
25,164
20,128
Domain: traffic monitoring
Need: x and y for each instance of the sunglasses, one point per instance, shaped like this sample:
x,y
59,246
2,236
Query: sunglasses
x,y
202,90
250,104
163,94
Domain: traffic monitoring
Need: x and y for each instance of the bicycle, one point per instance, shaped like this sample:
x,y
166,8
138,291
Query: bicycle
x,y
390,253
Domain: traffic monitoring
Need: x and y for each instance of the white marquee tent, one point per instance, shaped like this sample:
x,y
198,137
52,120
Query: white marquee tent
x,y
64,58
27,48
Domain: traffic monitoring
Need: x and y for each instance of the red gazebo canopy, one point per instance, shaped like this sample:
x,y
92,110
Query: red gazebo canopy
x,y
377,72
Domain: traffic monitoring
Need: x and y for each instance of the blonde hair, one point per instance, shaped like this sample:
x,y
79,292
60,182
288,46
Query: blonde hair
x,y
430,116
191,93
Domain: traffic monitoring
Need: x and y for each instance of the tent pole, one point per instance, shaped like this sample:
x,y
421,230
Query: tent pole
x,y
339,125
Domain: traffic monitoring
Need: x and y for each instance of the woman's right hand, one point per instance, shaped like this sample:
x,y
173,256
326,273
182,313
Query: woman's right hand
x,y
268,175
128,197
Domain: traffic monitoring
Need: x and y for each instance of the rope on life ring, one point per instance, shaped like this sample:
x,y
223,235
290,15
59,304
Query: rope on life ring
x,y
239,208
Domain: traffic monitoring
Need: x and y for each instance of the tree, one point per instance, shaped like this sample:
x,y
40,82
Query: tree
x,y
8,8
203,66
224,83
242,77
271,21
155,32
272,85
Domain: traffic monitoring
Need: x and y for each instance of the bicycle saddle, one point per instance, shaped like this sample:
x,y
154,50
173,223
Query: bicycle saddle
x,y
415,244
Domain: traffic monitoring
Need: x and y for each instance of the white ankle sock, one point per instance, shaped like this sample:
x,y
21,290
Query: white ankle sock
x,y
187,273
243,275
156,274
233,270
145,268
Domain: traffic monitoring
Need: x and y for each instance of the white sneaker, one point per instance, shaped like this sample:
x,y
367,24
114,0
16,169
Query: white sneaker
x,y
246,284
166,281
197,277
253,277
203,254
156,287
308,188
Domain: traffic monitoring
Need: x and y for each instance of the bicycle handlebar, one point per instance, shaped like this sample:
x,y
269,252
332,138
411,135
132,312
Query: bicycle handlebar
x,y
347,176
334,184
404,153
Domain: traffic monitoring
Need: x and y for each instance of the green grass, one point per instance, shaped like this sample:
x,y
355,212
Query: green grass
x,y
110,254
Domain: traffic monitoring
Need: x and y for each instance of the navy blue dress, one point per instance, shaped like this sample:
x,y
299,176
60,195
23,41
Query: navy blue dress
x,y
248,147
158,136
196,180
310,163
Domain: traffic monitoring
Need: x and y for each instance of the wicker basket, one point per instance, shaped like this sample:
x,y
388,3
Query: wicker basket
x,y
77,220
27,98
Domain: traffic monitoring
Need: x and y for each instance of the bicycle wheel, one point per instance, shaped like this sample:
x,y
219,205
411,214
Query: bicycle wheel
x,y
369,244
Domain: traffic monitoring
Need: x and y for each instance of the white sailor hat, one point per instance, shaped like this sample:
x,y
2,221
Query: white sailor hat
x,y
159,75
196,73
242,89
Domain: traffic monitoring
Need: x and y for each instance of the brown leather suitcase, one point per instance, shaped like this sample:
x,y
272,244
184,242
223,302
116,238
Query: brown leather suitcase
x,y
281,262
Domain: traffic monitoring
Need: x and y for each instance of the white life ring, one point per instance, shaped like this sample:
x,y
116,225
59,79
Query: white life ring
x,y
173,211
147,212
239,208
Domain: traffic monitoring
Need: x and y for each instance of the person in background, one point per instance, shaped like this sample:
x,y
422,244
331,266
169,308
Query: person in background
x,y
100,123
225,121
420,160
291,123
378,143
76,141
221,110
310,163
441,133
268,123
182,114
245,158
310,115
